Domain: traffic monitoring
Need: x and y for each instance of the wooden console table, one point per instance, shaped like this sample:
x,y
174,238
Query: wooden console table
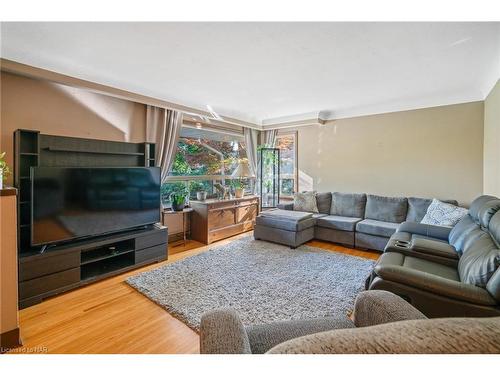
x,y
214,219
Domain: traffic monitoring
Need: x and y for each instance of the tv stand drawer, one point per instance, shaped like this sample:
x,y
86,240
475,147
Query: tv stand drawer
x,y
45,264
155,252
48,283
157,238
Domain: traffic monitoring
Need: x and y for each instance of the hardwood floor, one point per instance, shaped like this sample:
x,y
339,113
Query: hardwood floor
x,y
111,317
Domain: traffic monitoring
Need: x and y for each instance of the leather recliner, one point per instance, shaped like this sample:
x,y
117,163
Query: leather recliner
x,y
446,272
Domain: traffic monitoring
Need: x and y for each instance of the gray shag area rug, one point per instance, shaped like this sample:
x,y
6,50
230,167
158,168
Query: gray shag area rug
x,y
264,282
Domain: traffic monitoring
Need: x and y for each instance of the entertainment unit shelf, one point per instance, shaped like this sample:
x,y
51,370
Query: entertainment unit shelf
x,y
95,152
71,265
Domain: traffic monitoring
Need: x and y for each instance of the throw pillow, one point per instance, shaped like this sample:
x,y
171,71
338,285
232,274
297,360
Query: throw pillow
x,y
443,214
305,202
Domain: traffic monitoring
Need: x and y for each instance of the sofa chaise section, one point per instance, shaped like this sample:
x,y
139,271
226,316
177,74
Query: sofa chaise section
x,y
291,228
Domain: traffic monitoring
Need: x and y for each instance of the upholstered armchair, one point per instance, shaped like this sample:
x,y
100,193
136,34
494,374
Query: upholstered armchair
x,y
381,323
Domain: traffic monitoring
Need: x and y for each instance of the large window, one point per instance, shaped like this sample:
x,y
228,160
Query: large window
x,y
204,157
287,143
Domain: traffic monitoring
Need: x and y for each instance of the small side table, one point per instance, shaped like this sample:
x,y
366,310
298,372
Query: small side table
x,y
184,213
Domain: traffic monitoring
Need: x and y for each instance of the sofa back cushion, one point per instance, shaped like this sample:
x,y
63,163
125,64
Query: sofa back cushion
x,y
324,202
463,231
417,208
390,209
477,204
348,204
487,211
494,228
479,261
305,202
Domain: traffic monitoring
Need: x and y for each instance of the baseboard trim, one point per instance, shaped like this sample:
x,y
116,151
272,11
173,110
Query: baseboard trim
x,y
9,340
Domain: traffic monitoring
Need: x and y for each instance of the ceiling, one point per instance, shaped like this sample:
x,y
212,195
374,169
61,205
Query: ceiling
x,y
263,72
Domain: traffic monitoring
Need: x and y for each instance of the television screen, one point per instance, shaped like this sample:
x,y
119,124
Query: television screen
x,y
71,203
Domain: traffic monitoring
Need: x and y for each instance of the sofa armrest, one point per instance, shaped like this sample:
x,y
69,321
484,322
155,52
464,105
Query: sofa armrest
x,y
379,306
263,337
222,332
285,206
433,231
434,284
425,246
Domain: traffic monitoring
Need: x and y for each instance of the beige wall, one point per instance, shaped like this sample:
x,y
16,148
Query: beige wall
x,y
62,110
432,152
492,142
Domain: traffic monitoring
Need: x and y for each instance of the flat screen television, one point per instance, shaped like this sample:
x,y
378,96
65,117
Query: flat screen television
x,y
74,203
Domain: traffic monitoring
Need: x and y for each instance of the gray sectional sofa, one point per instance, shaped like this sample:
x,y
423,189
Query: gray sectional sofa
x,y
446,271
361,220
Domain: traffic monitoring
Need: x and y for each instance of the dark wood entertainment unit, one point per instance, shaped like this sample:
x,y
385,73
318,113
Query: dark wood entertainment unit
x,y
68,266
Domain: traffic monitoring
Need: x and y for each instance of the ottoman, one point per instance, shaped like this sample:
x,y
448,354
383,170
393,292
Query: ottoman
x,y
291,228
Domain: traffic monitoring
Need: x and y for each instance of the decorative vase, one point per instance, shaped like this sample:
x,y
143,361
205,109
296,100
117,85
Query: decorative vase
x,y
201,195
238,193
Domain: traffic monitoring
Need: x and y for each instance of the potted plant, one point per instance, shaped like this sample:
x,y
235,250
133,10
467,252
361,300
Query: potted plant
x,y
239,190
4,169
178,199
199,188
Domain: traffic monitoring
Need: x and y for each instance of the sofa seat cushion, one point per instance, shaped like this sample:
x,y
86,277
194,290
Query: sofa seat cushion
x,y
390,209
286,214
317,216
376,227
338,222
430,267
431,277
347,204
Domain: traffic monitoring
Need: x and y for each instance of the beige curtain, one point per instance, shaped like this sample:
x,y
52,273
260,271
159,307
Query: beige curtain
x,y
269,137
251,142
163,127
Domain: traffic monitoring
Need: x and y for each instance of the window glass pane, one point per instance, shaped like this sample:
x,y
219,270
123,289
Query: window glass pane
x,y
170,187
203,152
197,185
286,144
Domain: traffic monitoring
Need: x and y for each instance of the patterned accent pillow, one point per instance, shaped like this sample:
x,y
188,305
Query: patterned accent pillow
x,y
443,214
305,201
